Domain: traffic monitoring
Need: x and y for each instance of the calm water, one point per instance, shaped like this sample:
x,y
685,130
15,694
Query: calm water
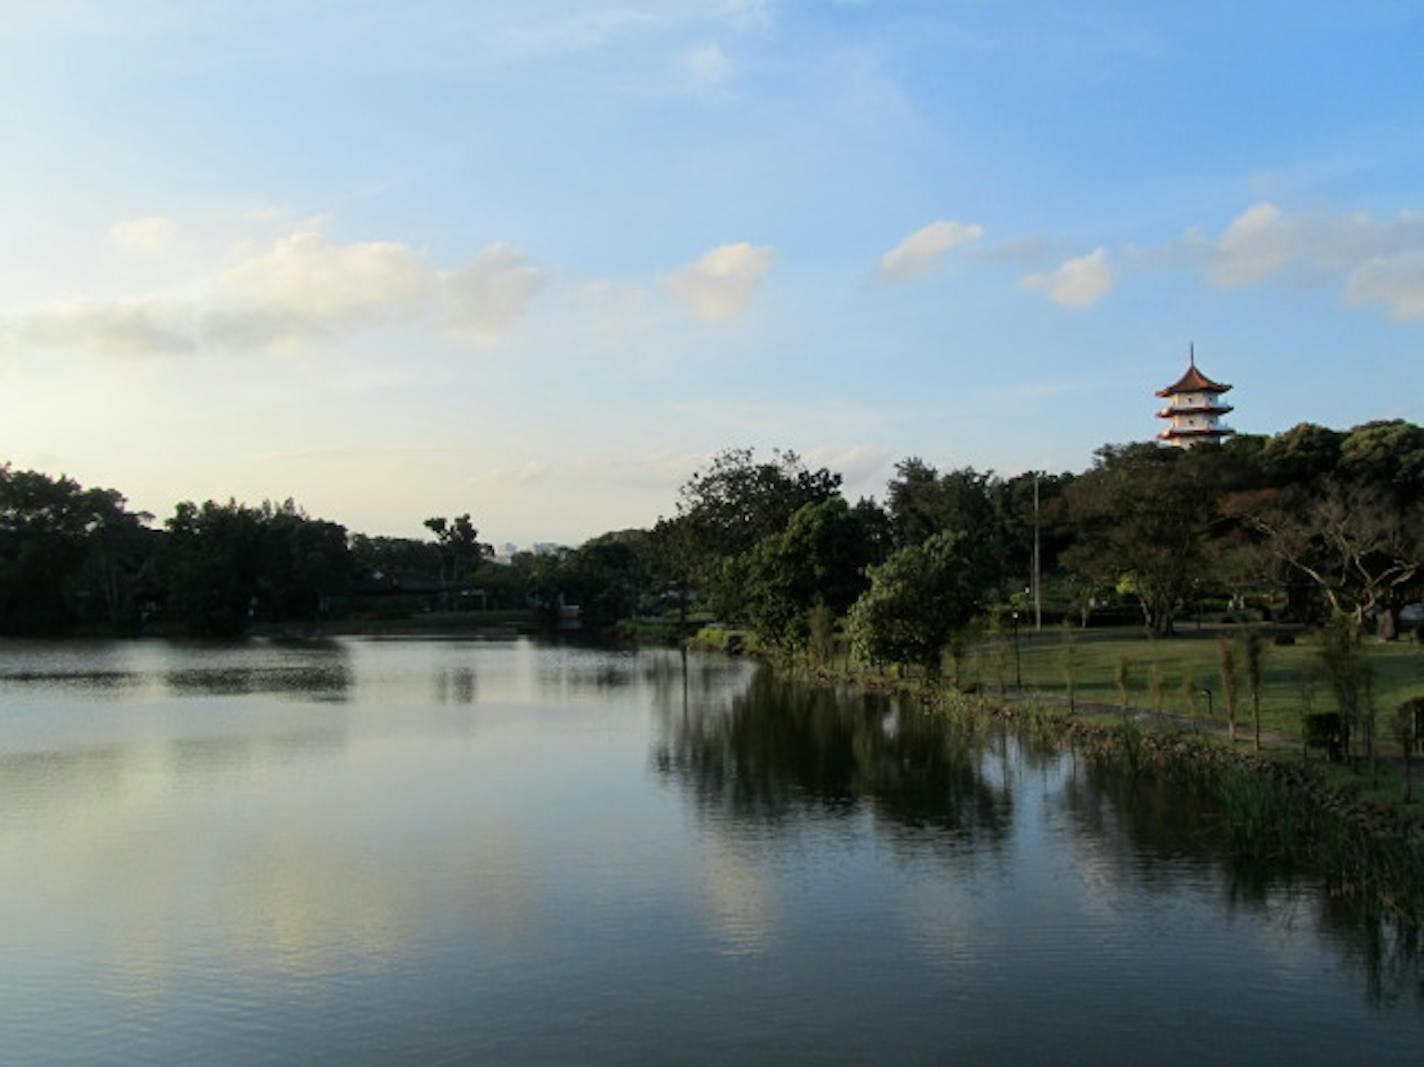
x,y
402,851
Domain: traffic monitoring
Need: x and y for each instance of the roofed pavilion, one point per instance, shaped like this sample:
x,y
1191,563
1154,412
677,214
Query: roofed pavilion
x,y
1194,407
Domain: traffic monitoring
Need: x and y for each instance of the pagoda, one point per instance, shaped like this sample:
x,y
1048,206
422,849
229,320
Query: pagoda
x,y
1194,407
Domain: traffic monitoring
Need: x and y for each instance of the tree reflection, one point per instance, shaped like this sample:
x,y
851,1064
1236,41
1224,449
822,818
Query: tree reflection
x,y
319,670
1147,827
780,748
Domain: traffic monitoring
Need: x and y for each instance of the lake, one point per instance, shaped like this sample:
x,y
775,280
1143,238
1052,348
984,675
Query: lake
x,y
367,851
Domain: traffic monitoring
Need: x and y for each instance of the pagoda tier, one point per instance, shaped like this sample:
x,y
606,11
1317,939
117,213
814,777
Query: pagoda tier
x,y
1194,408
1200,409
1173,434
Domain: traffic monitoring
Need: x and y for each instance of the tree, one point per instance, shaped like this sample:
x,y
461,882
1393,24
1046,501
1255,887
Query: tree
x,y
1014,520
121,560
461,550
1351,681
1252,649
1230,683
1124,680
301,560
1358,545
1143,515
1301,455
607,576
916,599
673,562
66,553
1387,455
922,502
1069,646
738,502
1405,720
212,564
820,557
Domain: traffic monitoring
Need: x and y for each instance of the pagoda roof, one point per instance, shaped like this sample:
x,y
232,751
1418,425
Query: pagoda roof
x,y
1194,381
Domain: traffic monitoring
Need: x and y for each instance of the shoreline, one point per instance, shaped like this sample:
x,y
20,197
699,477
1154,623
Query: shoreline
x,y
1273,808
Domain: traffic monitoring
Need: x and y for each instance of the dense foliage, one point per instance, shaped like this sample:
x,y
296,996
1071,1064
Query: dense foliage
x,y
1308,524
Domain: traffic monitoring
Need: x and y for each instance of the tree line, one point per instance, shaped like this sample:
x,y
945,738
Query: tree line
x,y
1306,523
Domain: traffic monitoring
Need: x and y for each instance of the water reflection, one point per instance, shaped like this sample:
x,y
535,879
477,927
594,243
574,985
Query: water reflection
x,y
326,680
455,685
1143,832
79,679
779,747
211,859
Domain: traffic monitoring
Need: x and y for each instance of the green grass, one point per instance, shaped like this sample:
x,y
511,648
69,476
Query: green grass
x,y
1398,673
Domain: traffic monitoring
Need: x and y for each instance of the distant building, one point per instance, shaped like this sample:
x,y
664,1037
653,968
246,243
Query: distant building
x,y
1194,408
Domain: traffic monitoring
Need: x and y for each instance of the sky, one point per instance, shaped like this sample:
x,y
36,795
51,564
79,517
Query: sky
x,y
538,261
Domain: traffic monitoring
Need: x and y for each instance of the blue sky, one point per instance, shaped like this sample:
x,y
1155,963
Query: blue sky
x,y
537,261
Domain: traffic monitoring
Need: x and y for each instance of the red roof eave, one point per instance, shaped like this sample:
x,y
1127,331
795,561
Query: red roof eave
x,y
1201,409
1194,381
1212,431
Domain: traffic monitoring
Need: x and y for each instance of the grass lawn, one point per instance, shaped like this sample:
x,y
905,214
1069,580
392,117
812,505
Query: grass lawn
x,y
1292,676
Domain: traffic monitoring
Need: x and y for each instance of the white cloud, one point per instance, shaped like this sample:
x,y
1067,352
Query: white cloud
x,y
704,67
1079,282
1379,261
1264,242
1397,282
1026,251
857,464
304,284
512,477
918,253
149,325
720,284
485,296
150,237
301,286
1254,246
